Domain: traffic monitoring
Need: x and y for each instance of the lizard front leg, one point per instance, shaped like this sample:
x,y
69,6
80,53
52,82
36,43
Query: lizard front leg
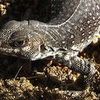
x,y
77,64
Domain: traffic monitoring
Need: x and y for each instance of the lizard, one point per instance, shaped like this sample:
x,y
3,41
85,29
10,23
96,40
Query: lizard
x,y
73,28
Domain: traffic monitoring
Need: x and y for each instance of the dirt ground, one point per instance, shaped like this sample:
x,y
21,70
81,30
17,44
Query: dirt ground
x,y
43,80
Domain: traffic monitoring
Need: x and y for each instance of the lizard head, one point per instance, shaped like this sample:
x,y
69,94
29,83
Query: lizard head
x,y
19,39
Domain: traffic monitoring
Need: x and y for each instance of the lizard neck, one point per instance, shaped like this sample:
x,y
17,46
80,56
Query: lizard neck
x,y
77,26
62,10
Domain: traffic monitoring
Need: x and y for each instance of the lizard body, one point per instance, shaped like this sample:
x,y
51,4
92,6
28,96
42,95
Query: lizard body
x,y
62,38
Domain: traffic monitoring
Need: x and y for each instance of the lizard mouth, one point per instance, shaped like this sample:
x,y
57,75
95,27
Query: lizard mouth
x,y
11,52
13,55
17,53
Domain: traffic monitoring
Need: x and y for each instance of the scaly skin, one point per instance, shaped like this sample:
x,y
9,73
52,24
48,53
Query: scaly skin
x,y
62,38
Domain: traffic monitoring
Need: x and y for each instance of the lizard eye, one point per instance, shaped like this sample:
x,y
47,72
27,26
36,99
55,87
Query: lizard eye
x,y
19,43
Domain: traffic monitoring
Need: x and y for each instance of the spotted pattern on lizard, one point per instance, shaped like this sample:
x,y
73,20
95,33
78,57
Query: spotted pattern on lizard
x,y
69,31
